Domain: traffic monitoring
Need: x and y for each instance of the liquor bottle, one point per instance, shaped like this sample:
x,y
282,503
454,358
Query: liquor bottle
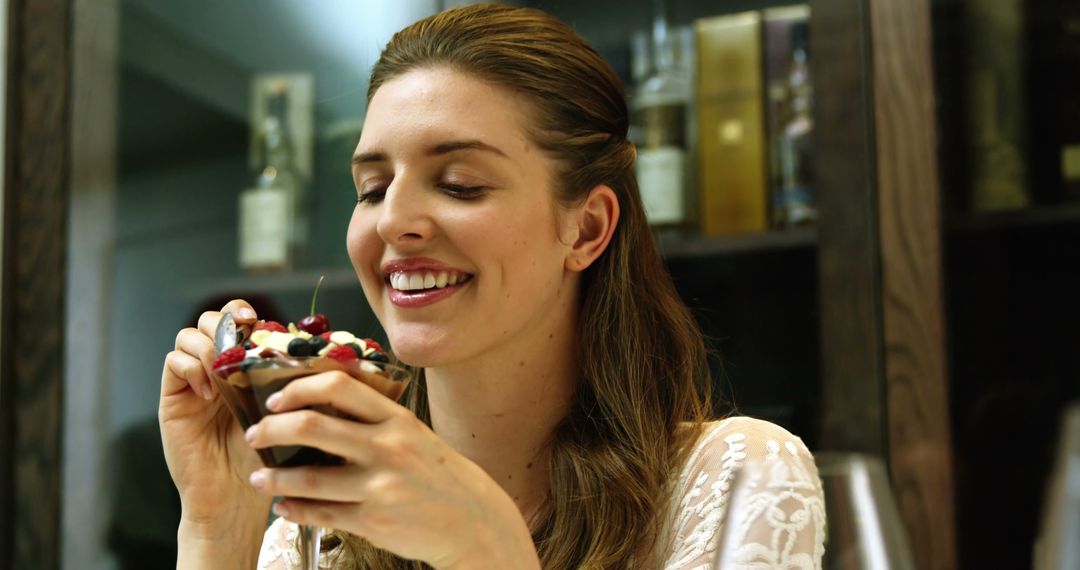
x,y
730,106
660,114
793,203
273,229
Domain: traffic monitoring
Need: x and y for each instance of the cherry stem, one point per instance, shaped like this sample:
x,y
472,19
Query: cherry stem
x,y
315,295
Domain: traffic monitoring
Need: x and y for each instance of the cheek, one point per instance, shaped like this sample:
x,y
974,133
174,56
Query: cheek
x,y
362,242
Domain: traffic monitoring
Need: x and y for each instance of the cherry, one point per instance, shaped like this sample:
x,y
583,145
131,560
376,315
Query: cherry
x,y
315,323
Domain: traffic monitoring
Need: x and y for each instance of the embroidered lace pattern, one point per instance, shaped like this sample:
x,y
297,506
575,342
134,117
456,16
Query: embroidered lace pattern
x,y
781,520
279,550
780,525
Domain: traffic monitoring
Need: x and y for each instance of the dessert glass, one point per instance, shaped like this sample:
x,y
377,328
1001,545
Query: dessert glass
x,y
245,390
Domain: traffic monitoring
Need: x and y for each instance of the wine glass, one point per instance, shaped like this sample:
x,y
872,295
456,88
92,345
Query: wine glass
x,y
865,529
245,390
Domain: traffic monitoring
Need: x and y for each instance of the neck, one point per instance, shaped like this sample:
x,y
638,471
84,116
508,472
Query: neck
x,y
501,410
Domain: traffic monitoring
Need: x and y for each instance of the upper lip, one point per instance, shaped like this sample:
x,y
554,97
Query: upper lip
x,y
417,264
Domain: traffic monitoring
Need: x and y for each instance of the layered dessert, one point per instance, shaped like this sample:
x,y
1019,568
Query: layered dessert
x,y
255,361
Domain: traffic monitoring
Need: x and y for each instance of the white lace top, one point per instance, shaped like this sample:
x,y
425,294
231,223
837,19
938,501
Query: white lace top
x,y
781,523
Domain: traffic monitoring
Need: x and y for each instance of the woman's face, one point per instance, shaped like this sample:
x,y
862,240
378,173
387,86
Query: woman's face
x,y
455,236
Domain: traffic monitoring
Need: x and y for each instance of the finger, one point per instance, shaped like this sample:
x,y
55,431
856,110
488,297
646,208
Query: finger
x,y
325,514
336,389
184,371
310,428
198,345
241,311
338,483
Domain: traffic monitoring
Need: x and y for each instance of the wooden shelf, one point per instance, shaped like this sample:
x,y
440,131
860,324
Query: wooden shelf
x,y
735,244
271,283
671,248
1032,217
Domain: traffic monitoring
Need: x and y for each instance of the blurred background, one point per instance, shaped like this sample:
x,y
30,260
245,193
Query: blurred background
x,y
868,204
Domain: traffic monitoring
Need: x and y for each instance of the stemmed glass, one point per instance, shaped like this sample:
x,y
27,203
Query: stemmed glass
x,y
245,393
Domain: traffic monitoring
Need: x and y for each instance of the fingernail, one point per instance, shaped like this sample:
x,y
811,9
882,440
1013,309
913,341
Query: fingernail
x,y
257,479
246,313
207,393
273,401
281,510
250,434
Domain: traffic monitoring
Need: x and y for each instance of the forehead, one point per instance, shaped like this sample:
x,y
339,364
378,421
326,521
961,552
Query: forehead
x,y
426,106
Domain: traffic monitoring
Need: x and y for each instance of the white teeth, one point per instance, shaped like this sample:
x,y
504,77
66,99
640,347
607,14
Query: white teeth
x,y
403,281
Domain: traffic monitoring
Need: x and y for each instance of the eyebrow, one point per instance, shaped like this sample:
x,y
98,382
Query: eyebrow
x,y
439,149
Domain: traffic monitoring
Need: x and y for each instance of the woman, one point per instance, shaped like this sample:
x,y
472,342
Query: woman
x,y
560,418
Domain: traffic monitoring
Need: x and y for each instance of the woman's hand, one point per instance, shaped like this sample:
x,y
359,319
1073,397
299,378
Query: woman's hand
x,y
402,488
204,446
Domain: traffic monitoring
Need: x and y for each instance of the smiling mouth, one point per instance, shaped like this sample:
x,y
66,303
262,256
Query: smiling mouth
x,y
418,281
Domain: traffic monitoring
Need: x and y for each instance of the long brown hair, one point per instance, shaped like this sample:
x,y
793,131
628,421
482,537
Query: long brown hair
x,y
644,386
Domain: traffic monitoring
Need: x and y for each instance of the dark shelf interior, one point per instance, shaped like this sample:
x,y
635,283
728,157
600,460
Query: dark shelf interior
x,y
759,314
1015,364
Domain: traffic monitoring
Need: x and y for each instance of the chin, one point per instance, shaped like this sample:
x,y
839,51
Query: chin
x,y
420,346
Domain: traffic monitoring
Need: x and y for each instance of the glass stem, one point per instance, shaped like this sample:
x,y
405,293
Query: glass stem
x,y
310,541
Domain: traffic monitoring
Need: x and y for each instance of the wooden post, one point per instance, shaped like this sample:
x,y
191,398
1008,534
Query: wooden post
x,y
35,233
909,211
848,268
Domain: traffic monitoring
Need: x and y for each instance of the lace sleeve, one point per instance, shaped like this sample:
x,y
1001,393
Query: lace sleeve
x,y
279,547
279,550
782,520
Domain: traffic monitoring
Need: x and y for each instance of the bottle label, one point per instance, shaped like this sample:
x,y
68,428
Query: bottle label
x,y
1070,162
264,227
661,176
662,125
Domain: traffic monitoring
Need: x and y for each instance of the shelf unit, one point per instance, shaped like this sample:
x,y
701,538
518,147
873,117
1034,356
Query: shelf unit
x,y
1038,216
738,244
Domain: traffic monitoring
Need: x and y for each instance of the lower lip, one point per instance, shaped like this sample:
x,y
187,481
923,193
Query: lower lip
x,y
421,298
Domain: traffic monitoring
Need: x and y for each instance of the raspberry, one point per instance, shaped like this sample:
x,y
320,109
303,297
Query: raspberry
x,y
231,356
372,344
270,326
342,354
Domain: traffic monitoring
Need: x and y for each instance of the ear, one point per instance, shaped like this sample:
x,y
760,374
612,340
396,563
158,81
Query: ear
x,y
594,223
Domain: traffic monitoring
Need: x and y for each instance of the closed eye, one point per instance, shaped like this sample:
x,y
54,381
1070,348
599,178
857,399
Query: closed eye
x,y
371,196
461,191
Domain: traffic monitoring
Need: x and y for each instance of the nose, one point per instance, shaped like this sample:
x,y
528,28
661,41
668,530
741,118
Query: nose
x,y
405,216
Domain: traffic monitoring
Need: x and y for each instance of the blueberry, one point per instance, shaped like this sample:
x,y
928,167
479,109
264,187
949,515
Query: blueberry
x,y
378,357
300,347
317,343
248,345
356,348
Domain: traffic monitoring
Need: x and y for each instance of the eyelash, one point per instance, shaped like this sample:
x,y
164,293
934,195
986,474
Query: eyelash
x,y
456,190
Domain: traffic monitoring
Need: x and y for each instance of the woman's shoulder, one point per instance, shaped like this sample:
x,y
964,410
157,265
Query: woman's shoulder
x,y
785,481
735,439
